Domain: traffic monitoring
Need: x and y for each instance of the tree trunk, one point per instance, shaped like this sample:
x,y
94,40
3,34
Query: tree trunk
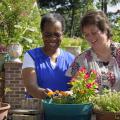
x,y
72,20
104,6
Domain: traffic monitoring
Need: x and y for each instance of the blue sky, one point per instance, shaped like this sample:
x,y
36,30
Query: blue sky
x,y
114,9
111,8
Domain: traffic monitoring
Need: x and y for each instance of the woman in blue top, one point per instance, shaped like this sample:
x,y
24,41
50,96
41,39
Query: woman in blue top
x,y
44,67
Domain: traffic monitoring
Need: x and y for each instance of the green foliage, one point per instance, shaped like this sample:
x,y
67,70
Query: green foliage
x,y
67,42
71,42
72,10
83,86
116,31
108,101
84,45
19,21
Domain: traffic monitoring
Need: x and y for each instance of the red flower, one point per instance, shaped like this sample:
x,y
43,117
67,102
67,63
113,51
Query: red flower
x,y
86,76
82,69
83,86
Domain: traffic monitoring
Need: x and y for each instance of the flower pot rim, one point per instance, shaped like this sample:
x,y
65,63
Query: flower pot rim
x,y
45,101
4,106
101,111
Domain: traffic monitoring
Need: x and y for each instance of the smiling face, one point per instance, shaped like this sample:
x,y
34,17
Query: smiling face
x,y
52,35
95,37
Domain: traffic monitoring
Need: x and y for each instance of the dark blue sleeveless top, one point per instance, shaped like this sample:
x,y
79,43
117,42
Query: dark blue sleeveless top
x,y
47,76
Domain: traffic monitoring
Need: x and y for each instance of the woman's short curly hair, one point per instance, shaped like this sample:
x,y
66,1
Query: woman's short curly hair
x,y
97,18
52,18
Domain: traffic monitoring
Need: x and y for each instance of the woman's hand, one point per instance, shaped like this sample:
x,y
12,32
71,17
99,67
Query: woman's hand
x,y
30,82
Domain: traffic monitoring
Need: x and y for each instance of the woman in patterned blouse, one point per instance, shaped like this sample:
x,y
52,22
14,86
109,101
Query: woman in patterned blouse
x,y
104,54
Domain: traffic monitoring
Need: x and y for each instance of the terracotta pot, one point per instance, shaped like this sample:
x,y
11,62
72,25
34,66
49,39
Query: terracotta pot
x,y
104,115
4,110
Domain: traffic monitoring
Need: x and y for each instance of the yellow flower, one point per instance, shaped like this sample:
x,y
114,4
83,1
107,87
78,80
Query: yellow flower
x,y
82,91
50,93
64,93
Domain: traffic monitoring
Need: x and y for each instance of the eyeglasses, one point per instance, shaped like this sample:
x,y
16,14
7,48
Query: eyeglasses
x,y
49,35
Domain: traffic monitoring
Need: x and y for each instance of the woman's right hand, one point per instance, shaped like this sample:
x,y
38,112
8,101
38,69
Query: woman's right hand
x,y
44,92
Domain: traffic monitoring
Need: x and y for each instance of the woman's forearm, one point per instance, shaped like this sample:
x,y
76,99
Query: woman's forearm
x,y
36,91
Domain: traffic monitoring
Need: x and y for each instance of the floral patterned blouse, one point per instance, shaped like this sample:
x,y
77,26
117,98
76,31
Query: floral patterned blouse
x,y
108,74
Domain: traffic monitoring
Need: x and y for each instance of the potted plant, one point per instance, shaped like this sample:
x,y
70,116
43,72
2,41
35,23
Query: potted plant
x,y
3,56
19,23
4,107
107,105
75,103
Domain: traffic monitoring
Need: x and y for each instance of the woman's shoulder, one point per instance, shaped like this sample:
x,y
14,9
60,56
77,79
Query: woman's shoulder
x,y
34,49
35,52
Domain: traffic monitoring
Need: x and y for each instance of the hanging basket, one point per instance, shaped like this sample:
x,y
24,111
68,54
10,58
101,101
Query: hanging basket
x,y
104,115
66,111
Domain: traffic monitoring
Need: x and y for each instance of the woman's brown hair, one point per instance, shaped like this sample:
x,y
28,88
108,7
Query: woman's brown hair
x,y
97,18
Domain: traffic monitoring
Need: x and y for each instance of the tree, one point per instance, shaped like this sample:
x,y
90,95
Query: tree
x,y
72,10
103,4
19,22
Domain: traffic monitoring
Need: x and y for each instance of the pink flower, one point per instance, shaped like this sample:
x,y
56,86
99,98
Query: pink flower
x,y
89,85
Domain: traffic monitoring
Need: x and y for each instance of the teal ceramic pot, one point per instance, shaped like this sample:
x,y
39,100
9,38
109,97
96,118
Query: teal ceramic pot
x,y
66,111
